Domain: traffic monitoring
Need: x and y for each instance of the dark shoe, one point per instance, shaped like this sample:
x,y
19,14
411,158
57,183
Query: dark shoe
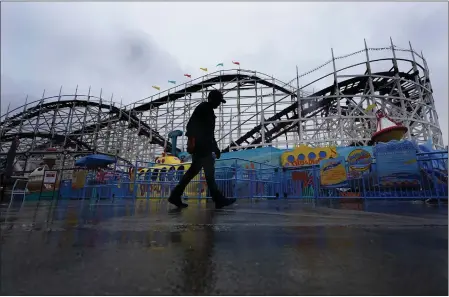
x,y
220,203
217,195
177,201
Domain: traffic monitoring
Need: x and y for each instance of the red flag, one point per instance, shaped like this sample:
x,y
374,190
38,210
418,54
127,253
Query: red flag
x,y
236,63
188,75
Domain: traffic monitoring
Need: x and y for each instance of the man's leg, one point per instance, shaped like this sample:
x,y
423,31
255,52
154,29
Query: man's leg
x,y
178,190
209,171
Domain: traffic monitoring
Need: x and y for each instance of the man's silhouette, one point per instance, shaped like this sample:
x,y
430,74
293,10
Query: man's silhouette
x,y
201,144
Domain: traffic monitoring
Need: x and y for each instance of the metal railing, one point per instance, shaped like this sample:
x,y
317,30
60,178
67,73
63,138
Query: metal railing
x,y
240,178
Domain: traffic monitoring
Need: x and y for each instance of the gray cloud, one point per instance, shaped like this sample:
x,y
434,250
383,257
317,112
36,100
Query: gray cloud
x,y
38,54
125,48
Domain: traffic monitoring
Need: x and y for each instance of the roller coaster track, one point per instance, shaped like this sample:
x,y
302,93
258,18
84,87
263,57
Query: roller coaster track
x,y
199,86
120,115
48,106
347,88
124,114
56,137
157,138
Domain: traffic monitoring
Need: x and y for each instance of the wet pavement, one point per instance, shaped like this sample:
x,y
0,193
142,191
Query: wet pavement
x,y
266,248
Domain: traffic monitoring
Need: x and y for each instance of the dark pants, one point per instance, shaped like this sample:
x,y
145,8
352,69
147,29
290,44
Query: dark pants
x,y
208,164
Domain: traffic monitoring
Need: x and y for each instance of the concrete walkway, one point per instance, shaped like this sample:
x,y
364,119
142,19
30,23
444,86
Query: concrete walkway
x,y
271,247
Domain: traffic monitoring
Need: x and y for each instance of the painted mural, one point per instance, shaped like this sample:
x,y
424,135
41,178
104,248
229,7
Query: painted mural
x,y
303,183
397,164
305,155
333,172
359,163
258,172
265,155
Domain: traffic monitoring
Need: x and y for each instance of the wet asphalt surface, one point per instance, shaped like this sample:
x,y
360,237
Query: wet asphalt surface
x,y
266,248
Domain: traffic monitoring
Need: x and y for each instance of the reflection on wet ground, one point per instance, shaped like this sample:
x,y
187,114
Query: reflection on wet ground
x,y
271,247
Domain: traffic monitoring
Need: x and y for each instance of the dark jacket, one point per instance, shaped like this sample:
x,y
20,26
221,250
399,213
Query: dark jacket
x,y
201,125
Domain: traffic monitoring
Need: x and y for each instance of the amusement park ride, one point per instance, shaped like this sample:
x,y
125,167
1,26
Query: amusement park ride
x,y
264,121
387,129
169,166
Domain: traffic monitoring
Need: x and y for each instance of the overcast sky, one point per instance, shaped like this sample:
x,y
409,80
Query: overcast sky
x,y
125,48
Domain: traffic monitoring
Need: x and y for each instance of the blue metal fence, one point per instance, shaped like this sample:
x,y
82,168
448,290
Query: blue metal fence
x,y
244,179
304,182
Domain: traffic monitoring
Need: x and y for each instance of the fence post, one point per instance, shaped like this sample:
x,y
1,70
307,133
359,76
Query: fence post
x,y
83,196
148,188
277,181
199,186
436,185
364,195
133,203
283,182
251,182
235,179
316,185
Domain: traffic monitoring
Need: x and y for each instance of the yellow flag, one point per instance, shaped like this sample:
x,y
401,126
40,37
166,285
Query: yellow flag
x,y
204,69
157,88
370,107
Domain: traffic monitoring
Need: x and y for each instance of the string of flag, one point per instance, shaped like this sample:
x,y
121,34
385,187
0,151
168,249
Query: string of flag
x,y
205,69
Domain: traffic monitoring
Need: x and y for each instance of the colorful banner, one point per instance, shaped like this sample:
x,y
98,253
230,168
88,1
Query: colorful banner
x,y
359,163
333,172
396,164
305,155
347,150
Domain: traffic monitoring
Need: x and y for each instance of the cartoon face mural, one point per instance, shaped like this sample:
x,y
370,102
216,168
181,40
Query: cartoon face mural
x,y
359,162
305,155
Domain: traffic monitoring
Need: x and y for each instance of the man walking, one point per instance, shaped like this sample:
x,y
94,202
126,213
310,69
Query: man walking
x,y
201,144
